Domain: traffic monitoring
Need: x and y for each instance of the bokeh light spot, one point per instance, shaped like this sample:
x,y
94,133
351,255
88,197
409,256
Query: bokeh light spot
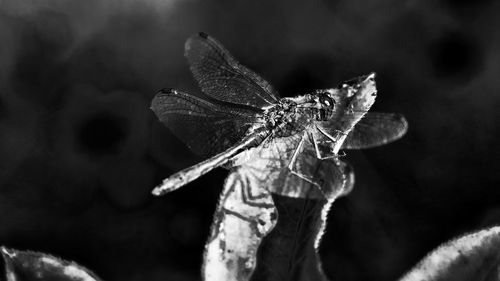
x,y
312,71
103,133
3,109
468,6
455,55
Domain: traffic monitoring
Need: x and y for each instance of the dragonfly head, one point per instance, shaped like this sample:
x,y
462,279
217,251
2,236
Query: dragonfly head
x,y
324,105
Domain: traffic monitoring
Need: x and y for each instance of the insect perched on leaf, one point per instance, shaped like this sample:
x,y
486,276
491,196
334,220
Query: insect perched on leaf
x,y
286,146
241,120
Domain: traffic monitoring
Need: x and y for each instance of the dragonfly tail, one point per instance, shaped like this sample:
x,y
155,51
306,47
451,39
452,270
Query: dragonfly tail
x,y
167,186
188,175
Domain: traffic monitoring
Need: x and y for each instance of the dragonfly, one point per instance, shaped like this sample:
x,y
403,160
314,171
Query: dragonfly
x,y
240,119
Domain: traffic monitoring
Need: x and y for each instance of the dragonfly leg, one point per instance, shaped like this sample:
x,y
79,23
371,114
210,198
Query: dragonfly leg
x,y
319,153
328,143
293,161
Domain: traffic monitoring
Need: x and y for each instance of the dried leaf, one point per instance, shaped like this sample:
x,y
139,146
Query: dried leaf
x,y
249,242
27,265
244,215
474,256
289,252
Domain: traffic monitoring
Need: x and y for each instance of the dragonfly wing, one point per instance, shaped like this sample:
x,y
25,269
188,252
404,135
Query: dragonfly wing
x,y
376,129
329,136
342,124
206,127
222,77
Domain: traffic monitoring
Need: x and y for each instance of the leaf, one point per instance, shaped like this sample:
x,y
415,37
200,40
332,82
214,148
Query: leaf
x,y
474,256
27,265
289,252
244,215
259,235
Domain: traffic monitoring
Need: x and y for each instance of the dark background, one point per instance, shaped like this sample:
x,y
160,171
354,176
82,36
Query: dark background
x,y
80,150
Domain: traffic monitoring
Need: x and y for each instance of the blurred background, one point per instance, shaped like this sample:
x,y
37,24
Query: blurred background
x,y
80,150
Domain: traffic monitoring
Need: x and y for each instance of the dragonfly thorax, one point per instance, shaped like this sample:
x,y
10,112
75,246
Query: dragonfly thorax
x,y
282,119
292,115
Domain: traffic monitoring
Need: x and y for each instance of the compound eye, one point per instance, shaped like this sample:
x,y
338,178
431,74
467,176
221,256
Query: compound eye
x,y
326,100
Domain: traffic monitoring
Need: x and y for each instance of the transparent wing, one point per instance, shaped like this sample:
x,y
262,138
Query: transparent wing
x,y
376,129
220,76
206,127
340,125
